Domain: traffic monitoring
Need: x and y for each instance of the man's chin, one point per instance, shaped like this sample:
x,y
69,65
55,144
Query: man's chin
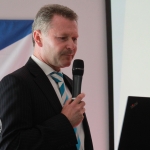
x,y
66,64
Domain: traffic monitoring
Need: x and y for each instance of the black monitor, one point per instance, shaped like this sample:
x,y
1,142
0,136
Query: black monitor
x,y
135,134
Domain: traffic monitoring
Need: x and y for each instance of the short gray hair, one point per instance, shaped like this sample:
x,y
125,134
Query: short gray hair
x,y
46,13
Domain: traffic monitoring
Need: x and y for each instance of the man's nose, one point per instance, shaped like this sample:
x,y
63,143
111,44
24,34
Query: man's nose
x,y
71,44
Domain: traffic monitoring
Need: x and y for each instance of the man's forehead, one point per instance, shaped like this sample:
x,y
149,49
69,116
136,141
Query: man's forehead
x,y
64,26
69,34
58,20
65,33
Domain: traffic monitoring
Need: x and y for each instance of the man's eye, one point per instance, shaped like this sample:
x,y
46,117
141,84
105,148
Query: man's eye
x,y
63,38
74,39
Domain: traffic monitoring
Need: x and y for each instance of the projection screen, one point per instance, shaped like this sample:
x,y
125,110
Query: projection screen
x,y
131,55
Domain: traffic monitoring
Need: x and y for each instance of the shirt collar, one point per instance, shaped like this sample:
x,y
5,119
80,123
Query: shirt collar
x,y
47,69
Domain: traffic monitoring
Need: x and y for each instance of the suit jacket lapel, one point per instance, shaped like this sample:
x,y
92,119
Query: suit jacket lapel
x,y
68,82
44,84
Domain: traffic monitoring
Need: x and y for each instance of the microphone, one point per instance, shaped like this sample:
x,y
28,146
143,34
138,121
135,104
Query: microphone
x,y
77,71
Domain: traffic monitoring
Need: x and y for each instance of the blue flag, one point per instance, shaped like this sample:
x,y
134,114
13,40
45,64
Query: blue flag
x,y
15,44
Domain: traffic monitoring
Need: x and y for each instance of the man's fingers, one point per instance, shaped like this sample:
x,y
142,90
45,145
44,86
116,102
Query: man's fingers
x,y
68,102
79,98
83,110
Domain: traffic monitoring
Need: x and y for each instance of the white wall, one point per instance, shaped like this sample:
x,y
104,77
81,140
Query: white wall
x,y
91,48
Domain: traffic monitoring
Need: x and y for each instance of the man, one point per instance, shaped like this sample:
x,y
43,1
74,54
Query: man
x,y
32,113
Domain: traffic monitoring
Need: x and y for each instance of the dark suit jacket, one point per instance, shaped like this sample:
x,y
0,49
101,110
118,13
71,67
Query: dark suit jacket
x,y
30,113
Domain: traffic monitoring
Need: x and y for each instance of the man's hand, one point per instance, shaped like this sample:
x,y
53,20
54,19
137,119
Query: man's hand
x,y
74,110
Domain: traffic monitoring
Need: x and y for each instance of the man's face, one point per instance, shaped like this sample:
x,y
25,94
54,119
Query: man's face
x,y
59,45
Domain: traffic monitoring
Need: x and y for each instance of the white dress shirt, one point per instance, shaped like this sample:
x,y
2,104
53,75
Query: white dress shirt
x,y
47,70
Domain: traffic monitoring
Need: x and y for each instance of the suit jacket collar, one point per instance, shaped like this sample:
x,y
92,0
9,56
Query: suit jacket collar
x,y
44,84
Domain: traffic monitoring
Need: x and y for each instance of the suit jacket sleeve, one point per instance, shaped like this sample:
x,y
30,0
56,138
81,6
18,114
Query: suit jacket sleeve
x,y
19,131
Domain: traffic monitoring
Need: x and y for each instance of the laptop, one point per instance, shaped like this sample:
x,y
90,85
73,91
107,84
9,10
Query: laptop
x,y
135,134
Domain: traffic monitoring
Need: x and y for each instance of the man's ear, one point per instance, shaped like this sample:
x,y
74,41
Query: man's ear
x,y
37,38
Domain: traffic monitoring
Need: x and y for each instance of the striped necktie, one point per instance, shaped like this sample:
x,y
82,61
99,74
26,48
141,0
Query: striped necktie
x,y
58,78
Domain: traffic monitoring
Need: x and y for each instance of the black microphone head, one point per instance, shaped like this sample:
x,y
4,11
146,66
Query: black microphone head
x,y
78,67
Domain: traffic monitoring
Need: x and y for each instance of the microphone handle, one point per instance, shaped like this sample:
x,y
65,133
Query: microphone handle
x,y
77,81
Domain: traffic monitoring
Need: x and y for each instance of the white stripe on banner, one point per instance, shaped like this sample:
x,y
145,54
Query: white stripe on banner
x,y
15,53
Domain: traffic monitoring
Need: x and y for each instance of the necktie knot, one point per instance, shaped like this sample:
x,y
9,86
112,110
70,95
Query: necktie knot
x,y
57,77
